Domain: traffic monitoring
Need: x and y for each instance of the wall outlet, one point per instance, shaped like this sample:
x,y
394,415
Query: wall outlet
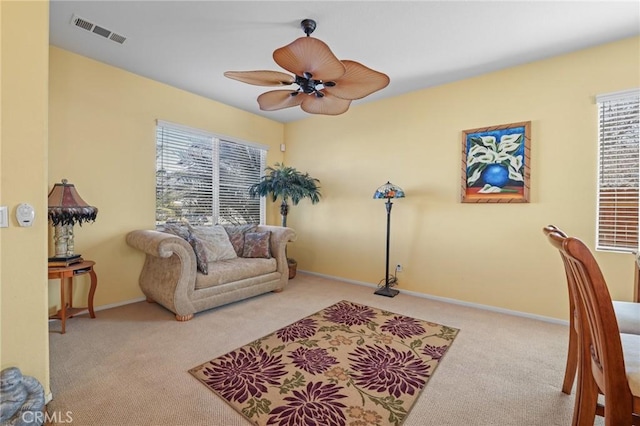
x,y
398,268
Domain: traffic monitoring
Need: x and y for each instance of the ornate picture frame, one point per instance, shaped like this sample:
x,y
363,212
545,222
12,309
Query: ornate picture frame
x,y
495,164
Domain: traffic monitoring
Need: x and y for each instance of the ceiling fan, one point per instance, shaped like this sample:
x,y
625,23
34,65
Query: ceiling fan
x,y
326,85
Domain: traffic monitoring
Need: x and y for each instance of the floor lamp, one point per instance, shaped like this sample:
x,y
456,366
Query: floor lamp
x,y
388,191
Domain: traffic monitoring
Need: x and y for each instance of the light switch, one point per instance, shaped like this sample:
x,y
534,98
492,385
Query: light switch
x,y
4,217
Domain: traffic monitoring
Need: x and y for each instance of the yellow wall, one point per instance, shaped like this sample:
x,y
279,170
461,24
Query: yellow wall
x,y
24,37
101,124
480,253
102,139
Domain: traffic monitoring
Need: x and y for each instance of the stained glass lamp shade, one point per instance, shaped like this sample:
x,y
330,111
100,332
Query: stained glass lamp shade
x,y
389,190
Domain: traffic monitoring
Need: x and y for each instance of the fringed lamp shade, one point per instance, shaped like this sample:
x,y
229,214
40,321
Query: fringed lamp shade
x,y
66,208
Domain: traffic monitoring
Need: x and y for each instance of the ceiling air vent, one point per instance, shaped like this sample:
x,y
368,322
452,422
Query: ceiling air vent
x,y
96,29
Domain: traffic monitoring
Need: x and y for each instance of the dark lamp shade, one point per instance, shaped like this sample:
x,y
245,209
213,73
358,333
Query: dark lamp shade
x,y
389,190
66,207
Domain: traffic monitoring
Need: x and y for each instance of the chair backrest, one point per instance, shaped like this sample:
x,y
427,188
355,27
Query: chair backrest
x,y
596,315
567,269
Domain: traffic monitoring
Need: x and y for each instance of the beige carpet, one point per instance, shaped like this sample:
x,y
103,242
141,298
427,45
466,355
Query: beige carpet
x,y
129,366
347,364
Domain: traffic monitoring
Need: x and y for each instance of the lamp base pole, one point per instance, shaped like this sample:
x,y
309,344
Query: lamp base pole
x,y
386,291
63,239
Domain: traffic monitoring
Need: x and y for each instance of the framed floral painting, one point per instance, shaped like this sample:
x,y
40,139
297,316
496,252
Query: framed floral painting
x,y
495,164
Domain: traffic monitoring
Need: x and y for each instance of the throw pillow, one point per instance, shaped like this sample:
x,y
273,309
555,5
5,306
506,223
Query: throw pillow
x,y
215,242
201,254
185,231
182,230
236,236
256,244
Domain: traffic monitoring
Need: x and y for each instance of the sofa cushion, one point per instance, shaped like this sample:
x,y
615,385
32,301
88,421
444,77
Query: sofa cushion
x,y
256,244
236,236
215,241
185,231
227,271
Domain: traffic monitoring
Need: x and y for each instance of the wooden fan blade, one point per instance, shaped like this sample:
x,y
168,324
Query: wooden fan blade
x,y
279,99
326,105
308,54
359,81
261,78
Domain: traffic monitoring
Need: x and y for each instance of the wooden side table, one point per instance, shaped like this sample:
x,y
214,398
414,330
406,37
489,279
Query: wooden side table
x,y
67,273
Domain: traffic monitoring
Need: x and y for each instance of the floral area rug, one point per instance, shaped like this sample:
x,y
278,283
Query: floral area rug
x,y
348,364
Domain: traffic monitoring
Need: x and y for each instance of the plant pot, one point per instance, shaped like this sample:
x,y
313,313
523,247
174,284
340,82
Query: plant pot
x,y
293,267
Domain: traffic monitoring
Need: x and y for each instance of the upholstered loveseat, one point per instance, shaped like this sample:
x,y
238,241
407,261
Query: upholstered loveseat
x,y
191,269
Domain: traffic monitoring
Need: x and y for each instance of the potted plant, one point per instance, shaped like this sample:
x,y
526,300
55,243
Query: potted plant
x,y
288,184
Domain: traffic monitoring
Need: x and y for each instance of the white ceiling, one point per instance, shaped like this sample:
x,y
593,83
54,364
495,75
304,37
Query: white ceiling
x,y
418,44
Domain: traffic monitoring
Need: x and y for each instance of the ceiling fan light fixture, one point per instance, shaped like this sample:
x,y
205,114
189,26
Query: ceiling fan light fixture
x,y
318,72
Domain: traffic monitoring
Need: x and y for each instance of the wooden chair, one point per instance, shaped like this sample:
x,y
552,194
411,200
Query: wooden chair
x,y
627,315
608,362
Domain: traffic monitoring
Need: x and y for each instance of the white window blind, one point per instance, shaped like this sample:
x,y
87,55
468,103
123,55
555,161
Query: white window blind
x,y
204,178
618,171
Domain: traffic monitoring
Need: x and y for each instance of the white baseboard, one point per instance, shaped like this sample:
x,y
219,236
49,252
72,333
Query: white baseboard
x,y
47,398
409,292
448,300
109,306
115,305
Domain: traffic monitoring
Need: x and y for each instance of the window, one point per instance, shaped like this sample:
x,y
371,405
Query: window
x,y
618,171
204,178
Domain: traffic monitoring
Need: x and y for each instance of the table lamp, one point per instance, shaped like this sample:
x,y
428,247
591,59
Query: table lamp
x,y
66,208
